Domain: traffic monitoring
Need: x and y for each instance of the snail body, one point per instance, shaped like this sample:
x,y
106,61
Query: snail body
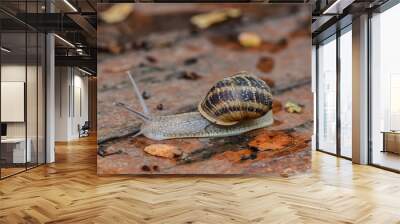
x,y
194,125
234,105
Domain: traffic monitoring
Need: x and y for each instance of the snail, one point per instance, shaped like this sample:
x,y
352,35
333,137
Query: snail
x,y
234,105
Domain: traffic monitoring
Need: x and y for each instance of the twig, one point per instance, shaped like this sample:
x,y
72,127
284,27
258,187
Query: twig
x,y
284,88
118,136
102,152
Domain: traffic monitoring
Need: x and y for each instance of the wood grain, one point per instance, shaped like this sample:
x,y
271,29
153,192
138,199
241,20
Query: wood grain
x,y
162,71
69,191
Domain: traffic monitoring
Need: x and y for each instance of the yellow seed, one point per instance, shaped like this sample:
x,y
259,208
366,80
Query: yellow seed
x,y
247,39
293,107
117,13
205,20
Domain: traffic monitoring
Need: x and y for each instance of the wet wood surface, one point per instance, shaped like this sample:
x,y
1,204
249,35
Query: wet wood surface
x,y
175,64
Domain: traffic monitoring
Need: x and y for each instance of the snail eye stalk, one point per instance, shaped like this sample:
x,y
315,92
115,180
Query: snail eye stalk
x,y
139,96
137,113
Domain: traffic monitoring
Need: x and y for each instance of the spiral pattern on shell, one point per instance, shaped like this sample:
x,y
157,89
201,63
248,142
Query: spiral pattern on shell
x,y
236,98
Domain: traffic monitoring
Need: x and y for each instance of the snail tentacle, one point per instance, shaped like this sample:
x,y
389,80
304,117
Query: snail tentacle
x,y
138,94
137,113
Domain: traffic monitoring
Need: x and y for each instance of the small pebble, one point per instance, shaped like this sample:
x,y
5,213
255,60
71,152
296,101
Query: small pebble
x,y
156,168
146,168
265,64
145,95
160,106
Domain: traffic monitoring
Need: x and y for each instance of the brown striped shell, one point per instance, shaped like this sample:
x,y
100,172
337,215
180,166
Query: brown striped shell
x,y
236,98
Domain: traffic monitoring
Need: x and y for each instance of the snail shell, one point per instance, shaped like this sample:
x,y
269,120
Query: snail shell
x,y
237,98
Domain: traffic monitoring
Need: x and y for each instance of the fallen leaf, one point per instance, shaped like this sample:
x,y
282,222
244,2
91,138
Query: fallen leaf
x,y
163,150
269,141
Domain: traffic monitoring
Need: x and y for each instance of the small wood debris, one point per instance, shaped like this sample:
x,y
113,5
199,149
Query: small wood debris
x,y
292,107
189,75
160,106
117,13
103,153
163,150
156,168
205,20
190,61
146,168
249,39
265,64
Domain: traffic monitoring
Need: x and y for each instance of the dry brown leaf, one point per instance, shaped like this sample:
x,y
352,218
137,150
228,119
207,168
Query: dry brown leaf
x,y
163,150
271,141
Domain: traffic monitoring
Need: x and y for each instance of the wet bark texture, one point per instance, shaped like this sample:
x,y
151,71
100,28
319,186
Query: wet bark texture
x,y
175,64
